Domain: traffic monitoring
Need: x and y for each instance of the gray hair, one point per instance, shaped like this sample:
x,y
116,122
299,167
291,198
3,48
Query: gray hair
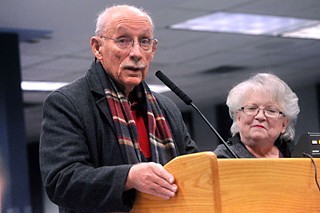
x,y
102,21
265,82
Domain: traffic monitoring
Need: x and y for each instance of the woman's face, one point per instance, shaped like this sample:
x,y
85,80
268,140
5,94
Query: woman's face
x,y
258,129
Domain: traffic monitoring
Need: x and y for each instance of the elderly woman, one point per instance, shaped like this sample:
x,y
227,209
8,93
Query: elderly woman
x,y
264,111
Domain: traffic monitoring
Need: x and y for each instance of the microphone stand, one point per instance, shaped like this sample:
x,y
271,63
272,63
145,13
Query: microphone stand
x,y
213,129
185,98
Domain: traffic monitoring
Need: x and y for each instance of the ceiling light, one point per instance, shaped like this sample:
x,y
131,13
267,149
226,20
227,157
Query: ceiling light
x,y
250,24
158,88
42,86
312,32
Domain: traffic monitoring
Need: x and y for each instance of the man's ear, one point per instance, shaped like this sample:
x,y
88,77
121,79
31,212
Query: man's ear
x,y
96,47
154,48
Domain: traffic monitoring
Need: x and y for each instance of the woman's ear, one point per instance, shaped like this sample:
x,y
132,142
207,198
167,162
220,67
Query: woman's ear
x,y
285,124
96,47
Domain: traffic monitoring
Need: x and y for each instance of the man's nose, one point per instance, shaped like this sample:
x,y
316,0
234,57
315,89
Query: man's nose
x,y
135,50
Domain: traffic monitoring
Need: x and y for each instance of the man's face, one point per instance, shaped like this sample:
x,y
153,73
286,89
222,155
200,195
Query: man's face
x,y
129,66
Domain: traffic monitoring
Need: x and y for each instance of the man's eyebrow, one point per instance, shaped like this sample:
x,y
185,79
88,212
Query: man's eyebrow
x,y
124,30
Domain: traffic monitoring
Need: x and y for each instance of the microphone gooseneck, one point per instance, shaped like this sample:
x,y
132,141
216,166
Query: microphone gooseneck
x,y
188,101
174,88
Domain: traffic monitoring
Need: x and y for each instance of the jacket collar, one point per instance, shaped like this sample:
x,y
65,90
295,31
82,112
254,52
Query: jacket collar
x,y
96,78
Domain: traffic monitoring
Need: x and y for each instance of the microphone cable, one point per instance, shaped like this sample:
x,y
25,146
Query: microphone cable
x,y
315,169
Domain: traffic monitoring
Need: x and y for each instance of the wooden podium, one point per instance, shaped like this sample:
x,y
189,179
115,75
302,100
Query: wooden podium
x,y
207,184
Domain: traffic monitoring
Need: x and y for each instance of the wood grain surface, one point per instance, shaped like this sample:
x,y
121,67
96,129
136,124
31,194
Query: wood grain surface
x,y
208,184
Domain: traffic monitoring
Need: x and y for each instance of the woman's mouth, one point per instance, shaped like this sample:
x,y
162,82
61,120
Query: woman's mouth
x,y
259,126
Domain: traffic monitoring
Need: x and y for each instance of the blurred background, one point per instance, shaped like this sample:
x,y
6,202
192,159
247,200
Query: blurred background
x,y
205,47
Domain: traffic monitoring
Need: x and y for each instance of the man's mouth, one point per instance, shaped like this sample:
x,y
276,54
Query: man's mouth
x,y
133,68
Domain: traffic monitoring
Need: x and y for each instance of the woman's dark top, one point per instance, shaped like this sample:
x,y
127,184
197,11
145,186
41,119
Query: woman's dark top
x,y
241,151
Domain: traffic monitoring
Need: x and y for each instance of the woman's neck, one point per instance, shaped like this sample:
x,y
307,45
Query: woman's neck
x,y
264,152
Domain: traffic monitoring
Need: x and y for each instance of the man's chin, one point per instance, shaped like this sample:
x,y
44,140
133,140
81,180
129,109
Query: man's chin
x,y
133,81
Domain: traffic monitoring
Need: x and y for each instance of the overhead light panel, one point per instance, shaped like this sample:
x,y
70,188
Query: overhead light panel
x,y
244,23
158,88
312,32
42,86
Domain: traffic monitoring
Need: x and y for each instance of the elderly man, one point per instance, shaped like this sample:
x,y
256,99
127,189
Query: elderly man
x,y
107,135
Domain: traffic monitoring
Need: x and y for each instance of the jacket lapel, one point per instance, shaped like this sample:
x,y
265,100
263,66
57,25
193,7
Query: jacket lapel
x,y
96,78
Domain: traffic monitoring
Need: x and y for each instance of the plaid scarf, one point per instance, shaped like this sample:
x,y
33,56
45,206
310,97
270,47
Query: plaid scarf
x,y
161,143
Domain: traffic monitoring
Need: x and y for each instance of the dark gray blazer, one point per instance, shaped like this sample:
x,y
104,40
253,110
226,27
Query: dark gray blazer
x,y
80,160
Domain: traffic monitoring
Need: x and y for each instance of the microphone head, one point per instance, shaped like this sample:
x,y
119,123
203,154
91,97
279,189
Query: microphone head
x,y
173,87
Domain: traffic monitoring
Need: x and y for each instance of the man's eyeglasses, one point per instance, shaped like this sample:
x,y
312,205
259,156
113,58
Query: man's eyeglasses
x,y
125,43
268,112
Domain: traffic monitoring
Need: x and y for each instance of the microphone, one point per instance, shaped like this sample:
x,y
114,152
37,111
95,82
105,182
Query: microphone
x,y
188,101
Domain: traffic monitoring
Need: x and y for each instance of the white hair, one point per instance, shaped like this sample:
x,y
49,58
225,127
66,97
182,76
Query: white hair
x,y
102,21
270,83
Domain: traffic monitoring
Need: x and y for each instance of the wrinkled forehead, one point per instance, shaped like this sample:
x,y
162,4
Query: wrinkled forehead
x,y
129,20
